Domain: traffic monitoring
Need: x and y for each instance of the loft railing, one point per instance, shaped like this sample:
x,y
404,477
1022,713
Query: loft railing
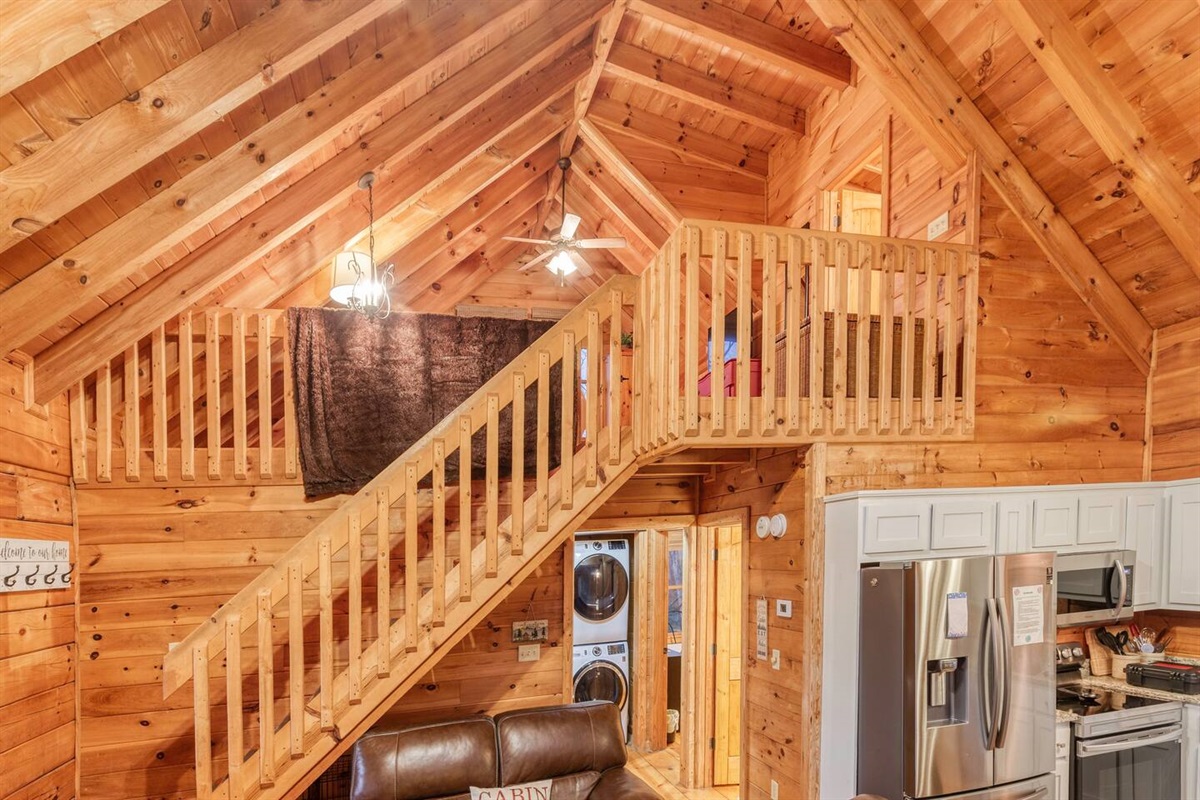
x,y
208,395
759,334
409,562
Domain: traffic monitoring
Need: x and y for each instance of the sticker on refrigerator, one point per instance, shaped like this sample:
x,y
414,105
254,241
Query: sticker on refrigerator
x,y
956,615
1028,615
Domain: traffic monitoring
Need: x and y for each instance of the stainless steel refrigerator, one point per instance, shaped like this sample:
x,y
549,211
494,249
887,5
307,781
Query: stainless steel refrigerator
x,y
956,679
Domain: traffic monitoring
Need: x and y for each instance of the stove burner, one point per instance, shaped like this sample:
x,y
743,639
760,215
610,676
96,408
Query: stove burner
x,y
1088,700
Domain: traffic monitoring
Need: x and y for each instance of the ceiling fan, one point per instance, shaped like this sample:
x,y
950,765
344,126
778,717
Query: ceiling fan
x,y
563,244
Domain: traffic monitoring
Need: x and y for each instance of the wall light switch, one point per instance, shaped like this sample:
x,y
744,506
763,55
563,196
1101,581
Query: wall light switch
x,y
774,789
775,659
939,226
529,652
783,609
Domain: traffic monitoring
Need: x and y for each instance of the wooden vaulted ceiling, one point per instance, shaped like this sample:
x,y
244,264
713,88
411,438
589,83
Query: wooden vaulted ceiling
x,y
161,155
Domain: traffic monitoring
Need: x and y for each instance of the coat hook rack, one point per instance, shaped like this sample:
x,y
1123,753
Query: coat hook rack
x,y
42,564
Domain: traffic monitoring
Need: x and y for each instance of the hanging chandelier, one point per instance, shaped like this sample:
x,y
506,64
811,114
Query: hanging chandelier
x,y
357,282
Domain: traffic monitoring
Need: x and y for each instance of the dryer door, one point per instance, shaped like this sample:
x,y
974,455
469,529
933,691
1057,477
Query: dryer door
x,y
601,680
601,587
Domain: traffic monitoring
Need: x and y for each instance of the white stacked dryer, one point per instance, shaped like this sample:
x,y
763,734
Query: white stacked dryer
x,y
601,591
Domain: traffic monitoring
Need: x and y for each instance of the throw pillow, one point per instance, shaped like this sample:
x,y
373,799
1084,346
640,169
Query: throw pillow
x,y
537,790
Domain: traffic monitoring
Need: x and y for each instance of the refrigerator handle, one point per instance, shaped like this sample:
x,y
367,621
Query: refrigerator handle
x,y
1005,653
988,683
992,666
1120,568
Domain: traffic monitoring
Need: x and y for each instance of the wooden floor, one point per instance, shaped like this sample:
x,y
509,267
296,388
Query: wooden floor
x,y
661,771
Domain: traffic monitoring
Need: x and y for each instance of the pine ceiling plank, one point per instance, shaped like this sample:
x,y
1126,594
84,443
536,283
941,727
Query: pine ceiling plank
x,y
470,273
302,208
37,36
628,175
195,200
624,204
662,74
648,127
745,34
123,137
1099,105
885,45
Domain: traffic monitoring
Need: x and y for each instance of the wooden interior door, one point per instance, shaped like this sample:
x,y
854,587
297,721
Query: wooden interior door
x,y
727,722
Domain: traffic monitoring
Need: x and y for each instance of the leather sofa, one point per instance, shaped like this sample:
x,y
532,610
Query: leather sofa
x,y
580,747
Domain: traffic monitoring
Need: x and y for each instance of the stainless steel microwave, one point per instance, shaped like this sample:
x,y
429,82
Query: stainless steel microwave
x,y
1094,587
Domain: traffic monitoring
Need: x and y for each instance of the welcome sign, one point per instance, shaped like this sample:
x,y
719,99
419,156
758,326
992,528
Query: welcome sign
x,y
28,565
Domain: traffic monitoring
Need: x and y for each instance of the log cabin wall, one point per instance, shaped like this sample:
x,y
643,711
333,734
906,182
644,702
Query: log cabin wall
x,y
37,639
1175,402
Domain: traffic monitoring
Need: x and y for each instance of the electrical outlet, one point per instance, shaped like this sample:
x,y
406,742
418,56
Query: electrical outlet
x,y
775,659
783,609
939,226
774,789
529,652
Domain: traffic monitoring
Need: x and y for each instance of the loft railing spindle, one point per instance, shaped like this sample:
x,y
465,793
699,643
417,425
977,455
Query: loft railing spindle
x,y
566,467
133,416
841,337
187,399
716,367
265,436
862,353
817,278
887,317
158,380
691,333
745,316
792,321
770,262
592,400
238,365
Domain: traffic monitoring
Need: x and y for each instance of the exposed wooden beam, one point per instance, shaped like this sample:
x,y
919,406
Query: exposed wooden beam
x,y
603,39
303,206
721,97
1051,37
745,34
692,142
628,175
623,205
125,137
121,249
886,46
36,37
598,216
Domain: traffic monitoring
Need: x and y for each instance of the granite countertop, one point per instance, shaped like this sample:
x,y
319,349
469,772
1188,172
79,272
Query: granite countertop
x,y
1119,685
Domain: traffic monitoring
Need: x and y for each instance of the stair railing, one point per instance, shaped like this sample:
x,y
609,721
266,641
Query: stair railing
x,y
438,555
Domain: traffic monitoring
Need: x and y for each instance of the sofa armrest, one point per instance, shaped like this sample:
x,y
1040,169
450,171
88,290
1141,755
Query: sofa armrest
x,y
621,784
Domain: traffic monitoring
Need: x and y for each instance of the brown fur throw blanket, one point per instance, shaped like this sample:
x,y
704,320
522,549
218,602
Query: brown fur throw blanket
x,y
366,390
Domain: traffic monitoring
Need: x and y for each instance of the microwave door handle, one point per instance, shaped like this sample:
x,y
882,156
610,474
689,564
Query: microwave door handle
x,y
1172,734
1122,592
1004,653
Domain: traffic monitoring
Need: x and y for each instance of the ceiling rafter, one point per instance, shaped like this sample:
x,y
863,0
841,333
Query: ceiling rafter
x,y
36,37
1051,37
653,71
679,136
125,137
482,116
465,277
125,246
622,204
628,175
745,34
884,43
599,217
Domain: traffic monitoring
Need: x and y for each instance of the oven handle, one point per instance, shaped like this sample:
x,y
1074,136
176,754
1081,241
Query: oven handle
x,y
1173,733
1120,568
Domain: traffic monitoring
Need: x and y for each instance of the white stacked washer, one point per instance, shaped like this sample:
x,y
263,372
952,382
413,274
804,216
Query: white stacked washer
x,y
601,591
602,673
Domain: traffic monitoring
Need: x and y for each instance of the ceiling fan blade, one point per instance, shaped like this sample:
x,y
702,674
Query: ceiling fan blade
x,y
570,224
611,242
527,241
542,257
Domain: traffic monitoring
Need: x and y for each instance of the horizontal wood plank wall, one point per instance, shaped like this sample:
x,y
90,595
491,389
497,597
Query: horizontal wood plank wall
x,y
37,628
158,560
1175,403
772,713
1184,626
1056,400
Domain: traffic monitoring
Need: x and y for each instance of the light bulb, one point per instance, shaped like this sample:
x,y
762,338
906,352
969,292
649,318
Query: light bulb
x,y
561,264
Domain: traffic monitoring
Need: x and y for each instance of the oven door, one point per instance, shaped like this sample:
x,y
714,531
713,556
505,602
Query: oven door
x,y
1143,765
1094,587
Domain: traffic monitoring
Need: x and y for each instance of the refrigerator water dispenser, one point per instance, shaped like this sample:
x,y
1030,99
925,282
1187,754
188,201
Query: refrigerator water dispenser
x,y
947,704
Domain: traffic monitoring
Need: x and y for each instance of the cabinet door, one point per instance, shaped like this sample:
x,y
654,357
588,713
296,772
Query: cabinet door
x,y
896,528
964,525
1191,750
1102,520
1183,548
1144,535
1062,760
1055,520
1012,526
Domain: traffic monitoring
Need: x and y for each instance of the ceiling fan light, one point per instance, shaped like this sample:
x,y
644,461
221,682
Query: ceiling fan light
x,y
561,264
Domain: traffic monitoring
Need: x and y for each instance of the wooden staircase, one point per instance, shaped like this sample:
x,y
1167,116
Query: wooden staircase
x,y
269,715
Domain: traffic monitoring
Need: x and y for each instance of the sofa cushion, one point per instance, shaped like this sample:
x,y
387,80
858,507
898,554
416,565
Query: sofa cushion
x,y
412,763
550,742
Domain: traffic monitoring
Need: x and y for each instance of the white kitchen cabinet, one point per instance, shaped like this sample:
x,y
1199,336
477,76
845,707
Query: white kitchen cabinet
x,y
1055,521
1144,535
896,527
1012,524
1102,520
1183,544
964,525
1191,750
1062,760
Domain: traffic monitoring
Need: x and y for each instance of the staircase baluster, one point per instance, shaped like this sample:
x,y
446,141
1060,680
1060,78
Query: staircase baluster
x,y
158,388
354,557
517,473
464,508
233,702
492,486
543,441
383,577
412,537
566,467
291,456
212,395
77,399
439,532
592,399
133,421
266,691
202,711
265,438
615,378
238,366
325,589
295,596
187,399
